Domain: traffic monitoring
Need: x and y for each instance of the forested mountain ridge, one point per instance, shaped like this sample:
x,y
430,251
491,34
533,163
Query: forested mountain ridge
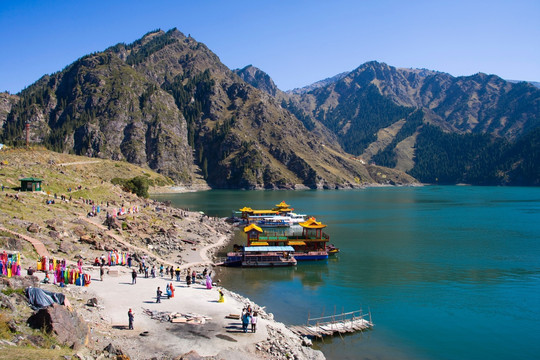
x,y
167,102
478,127
479,103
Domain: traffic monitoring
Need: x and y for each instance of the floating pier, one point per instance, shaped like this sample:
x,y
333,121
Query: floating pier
x,y
334,324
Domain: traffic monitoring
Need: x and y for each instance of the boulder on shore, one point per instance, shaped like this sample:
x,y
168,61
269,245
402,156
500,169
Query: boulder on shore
x,y
68,327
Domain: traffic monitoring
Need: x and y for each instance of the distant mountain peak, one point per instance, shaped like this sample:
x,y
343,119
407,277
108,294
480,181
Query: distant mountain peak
x,y
535,83
319,84
257,78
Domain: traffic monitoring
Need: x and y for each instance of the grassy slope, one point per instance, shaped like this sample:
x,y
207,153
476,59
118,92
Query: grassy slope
x,y
59,172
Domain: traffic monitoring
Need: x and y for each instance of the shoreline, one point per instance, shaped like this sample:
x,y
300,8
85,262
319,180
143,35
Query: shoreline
x,y
180,189
160,234
218,337
272,340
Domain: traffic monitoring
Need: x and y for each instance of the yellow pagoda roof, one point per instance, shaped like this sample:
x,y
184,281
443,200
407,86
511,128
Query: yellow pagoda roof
x,y
285,210
246,209
264,212
283,204
252,227
311,223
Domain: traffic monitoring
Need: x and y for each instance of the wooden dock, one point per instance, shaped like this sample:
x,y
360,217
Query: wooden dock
x,y
334,324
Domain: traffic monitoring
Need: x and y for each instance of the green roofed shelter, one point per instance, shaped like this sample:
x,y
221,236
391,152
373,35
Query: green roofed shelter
x,y
31,184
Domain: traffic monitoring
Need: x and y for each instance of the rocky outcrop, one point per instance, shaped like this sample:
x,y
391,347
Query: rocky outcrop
x,y
6,103
6,303
33,228
279,346
19,282
68,327
258,79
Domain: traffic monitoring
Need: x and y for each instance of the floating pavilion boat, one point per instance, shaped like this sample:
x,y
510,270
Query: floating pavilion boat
x,y
283,211
311,245
261,256
271,221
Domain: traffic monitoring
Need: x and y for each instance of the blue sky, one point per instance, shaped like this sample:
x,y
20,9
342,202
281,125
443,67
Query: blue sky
x,y
295,42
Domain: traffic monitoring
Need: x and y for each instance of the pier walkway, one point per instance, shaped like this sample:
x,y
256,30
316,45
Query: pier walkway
x,y
334,324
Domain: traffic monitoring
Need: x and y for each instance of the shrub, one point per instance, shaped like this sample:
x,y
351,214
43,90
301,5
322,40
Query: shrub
x,y
137,185
5,332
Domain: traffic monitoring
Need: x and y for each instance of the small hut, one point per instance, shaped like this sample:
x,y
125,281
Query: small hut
x,y
31,184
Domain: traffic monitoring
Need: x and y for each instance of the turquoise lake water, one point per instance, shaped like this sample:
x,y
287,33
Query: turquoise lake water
x,y
447,272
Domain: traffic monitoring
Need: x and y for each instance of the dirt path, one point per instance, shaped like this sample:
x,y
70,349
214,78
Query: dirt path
x,y
38,245
80,163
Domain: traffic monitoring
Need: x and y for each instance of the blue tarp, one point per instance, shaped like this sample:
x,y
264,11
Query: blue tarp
x,y
39,298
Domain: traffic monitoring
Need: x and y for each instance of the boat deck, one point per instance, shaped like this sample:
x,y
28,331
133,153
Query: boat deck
x,y
335,324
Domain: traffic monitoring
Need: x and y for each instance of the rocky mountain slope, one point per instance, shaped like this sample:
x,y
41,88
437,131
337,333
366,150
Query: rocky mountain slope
x,y
6,103
476,129
168,103
258,79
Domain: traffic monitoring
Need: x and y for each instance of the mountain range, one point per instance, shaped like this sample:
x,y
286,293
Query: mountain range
x,y
168,103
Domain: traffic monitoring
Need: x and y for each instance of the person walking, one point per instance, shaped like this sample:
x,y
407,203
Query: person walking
x,y
133,277
177,272
101,272
130,318
158,295
254,322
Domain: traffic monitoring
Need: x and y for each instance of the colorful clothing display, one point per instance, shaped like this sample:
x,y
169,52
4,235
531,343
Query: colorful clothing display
x,y
62,274
117,258
10,264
